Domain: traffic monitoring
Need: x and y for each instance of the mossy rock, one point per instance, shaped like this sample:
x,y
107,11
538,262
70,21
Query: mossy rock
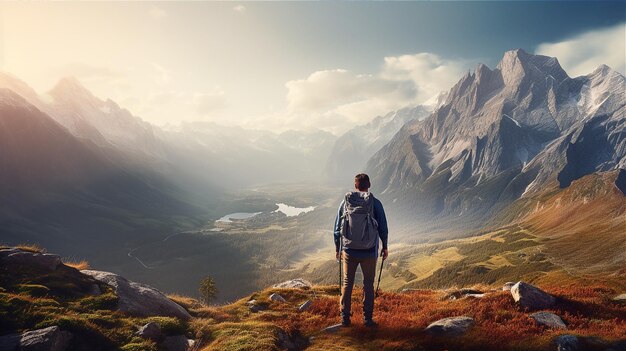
x,y
35,290
168,325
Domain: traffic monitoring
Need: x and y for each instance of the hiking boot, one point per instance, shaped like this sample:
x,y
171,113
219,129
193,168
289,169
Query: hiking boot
x,y
345,322
370,323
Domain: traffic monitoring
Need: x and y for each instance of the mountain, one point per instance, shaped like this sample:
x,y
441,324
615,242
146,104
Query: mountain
x,y
102,121
351,151
55,186
185,153
522,127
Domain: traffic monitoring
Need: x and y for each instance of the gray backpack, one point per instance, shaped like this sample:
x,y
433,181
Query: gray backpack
x,y
359,229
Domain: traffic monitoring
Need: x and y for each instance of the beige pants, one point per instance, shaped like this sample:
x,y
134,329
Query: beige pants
x,y
368,267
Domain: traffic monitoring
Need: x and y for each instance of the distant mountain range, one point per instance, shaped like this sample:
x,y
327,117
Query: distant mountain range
x,y
73,165
351,151
501,135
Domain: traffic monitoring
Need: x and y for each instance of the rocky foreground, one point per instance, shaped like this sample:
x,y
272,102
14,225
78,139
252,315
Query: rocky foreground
x,y
48,305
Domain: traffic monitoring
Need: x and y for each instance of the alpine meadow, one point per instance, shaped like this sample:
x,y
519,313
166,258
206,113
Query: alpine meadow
x,y
420,175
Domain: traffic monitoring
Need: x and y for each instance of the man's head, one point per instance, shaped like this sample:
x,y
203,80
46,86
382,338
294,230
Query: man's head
x,y
362,182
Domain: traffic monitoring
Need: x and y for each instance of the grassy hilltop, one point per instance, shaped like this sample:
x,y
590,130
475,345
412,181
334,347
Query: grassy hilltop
x,y
30,299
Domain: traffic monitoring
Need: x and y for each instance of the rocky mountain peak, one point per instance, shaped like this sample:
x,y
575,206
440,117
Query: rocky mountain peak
x,y
71,88
518,64
19,87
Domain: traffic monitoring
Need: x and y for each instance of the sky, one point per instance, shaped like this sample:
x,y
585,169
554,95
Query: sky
x,y
292,65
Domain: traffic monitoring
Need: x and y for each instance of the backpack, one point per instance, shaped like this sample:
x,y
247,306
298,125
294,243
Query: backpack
x,y
359,229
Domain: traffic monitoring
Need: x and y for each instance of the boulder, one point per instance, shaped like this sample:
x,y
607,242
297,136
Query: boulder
x,y
467,291
137,299
548,319
620,298
177,343
46,339
298,283
150,331
464,292
531,297
291,342
333,328
17,257
94,290
452,326
507,286
254,308
305,306
567,343
276,297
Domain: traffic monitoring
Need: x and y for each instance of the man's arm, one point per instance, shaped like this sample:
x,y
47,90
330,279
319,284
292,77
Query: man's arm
x,y
337,227
379,215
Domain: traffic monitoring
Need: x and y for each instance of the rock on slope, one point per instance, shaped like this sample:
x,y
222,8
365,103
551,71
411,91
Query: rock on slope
x,y
139,299
48,305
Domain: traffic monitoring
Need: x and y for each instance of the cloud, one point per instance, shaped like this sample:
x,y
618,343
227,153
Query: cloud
x,y
583,53
162,76
206,104
337,100
95,76
157,13
430,73
83,70
325,90
239,8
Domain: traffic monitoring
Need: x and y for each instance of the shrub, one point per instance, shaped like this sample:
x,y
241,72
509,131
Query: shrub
x,y
80,265
207,289
35,248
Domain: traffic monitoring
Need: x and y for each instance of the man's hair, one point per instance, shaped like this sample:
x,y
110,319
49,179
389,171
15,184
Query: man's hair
x,y
362,181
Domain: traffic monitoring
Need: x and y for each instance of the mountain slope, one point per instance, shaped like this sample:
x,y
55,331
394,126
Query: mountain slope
x,y
351,151
103,122
500,133
56,186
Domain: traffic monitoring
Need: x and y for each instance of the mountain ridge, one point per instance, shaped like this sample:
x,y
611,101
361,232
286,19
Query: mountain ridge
x,y
496,131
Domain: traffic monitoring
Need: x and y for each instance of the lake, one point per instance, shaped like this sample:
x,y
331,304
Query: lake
x,y
293,211
238,215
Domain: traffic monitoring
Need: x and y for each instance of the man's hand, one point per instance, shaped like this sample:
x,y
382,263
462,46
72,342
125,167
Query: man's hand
x,y
337,255
384,253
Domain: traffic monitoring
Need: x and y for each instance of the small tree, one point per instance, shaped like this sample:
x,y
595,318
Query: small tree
x,y
208,290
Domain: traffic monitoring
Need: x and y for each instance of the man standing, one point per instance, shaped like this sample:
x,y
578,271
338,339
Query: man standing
x,y
359,225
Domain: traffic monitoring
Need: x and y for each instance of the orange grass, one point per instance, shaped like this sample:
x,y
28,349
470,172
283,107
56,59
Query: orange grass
x,y
500,323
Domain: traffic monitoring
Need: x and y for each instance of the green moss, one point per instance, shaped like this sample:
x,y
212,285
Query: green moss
x,y
168,325
106,301
244,336
140,346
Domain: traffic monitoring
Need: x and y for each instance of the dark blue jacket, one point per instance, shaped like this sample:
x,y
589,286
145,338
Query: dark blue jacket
x,y
383,231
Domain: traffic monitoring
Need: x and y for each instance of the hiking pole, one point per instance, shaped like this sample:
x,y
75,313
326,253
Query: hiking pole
x,y
380,273
340,272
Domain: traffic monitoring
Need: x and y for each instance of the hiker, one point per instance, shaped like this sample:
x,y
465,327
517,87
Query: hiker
x,y
359,224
